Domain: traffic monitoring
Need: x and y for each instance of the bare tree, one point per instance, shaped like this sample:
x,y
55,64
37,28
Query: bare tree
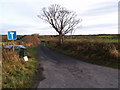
x,y
61,19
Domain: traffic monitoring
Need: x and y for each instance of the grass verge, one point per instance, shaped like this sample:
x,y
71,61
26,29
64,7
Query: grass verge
x,y
88,52
16,73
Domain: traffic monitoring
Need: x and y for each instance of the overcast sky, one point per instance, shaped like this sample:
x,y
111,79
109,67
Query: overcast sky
x,y
99,16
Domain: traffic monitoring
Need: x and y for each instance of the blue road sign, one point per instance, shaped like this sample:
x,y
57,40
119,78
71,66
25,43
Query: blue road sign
x,y
12,35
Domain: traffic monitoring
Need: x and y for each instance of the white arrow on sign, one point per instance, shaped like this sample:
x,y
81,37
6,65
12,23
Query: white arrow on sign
x,y
12,34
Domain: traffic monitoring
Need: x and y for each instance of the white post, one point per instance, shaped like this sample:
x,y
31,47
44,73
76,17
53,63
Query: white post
x,y
13,45
12,40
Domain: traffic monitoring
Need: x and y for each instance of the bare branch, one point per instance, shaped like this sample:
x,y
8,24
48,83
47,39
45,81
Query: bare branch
x,y
61,19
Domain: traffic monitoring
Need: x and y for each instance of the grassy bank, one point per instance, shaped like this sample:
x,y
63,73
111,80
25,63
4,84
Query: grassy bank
x,y
17,73
100,53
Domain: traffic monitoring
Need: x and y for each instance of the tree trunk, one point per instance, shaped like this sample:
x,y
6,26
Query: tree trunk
x,y
61,38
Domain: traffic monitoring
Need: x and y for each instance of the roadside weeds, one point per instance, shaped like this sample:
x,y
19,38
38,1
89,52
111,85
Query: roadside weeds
x,y
16,72
100,53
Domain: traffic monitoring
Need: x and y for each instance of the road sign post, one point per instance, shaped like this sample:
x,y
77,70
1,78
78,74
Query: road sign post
x,y
13,44
12,36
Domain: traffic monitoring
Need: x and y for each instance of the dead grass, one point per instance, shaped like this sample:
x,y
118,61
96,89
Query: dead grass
x,y
30,40
101,53
16,73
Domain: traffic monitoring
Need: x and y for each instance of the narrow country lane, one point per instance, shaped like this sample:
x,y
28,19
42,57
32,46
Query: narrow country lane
x,y
65,72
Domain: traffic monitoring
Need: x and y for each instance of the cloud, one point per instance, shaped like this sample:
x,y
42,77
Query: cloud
x,y
101,8
21,15
28,29
18,28
11,26
101,26
98,29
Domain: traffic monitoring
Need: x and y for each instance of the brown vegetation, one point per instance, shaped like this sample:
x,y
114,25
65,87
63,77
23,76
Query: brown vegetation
x,y
16,73
30,40
94,52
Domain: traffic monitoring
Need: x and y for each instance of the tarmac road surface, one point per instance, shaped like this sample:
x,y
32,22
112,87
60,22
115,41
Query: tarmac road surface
x,y
65,72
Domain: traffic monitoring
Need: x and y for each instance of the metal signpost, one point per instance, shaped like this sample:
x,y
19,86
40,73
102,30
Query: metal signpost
x,y
12,36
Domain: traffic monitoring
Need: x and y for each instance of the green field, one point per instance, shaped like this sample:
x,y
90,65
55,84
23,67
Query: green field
x,y
91,38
